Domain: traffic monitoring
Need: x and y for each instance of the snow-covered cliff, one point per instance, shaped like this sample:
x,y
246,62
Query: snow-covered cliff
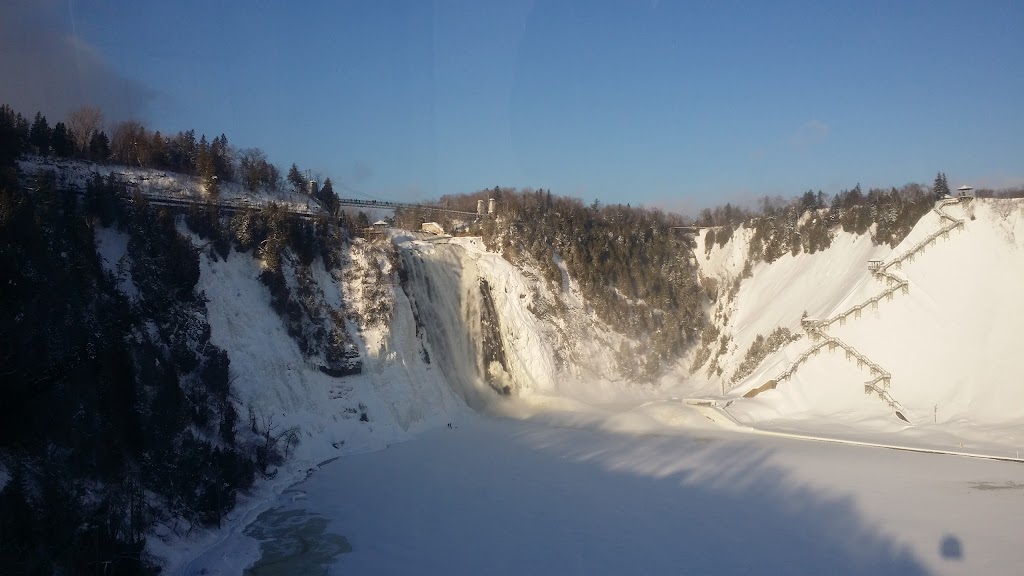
x,y
944,342
443,326
497,330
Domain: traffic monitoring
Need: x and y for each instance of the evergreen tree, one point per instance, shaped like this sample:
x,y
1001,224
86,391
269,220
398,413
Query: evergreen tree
x,y
221,156
10,147
157,151
39,135
295,178
808,202
941,187
14,135
202,154
182,152
327,197
99,147
21,131
328,189
61,142
205,167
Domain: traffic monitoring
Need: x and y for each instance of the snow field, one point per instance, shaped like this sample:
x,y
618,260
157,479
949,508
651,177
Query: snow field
x,y
501,496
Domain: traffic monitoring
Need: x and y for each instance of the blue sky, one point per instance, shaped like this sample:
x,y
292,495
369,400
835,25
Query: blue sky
x,y
675,104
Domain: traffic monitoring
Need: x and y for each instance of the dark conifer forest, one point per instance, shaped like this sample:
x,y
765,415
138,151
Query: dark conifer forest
x,y
118,413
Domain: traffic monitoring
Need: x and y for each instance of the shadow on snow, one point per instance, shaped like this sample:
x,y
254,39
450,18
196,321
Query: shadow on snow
x,y
507,497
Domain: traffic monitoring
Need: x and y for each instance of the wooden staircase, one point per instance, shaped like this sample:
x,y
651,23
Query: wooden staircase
x,y
816,329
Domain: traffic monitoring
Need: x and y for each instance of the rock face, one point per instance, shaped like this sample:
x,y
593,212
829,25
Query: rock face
x,y
490,334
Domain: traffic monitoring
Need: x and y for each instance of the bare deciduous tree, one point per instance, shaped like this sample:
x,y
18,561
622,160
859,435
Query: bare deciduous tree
x,y
256,171
129,143
83,123
250,166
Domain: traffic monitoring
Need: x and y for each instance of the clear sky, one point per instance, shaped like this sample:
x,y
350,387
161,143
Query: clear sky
x,y
675,104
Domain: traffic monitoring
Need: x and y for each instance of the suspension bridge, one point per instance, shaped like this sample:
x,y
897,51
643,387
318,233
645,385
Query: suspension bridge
x,y
310,209
388,205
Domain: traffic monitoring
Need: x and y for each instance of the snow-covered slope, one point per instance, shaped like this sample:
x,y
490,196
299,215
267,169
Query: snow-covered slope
x,y
777,294
157,184
398,392
948,343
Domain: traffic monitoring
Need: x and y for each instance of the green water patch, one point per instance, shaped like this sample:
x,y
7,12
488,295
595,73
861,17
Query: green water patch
x,y
294,542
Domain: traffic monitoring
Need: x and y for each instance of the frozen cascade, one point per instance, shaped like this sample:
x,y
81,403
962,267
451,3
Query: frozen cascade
x,y
453,306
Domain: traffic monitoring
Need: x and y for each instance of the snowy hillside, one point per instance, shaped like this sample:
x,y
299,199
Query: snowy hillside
x,y
777,294
946,342
464,326
397,394
155,184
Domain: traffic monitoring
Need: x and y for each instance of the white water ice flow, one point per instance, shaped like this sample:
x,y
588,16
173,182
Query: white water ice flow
x,y
446,294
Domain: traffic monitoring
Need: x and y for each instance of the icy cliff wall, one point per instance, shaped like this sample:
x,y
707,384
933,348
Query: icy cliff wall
x,y
472,307
397,392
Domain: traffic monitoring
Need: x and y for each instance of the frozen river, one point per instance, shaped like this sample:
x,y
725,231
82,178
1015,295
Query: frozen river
x,y
497,496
